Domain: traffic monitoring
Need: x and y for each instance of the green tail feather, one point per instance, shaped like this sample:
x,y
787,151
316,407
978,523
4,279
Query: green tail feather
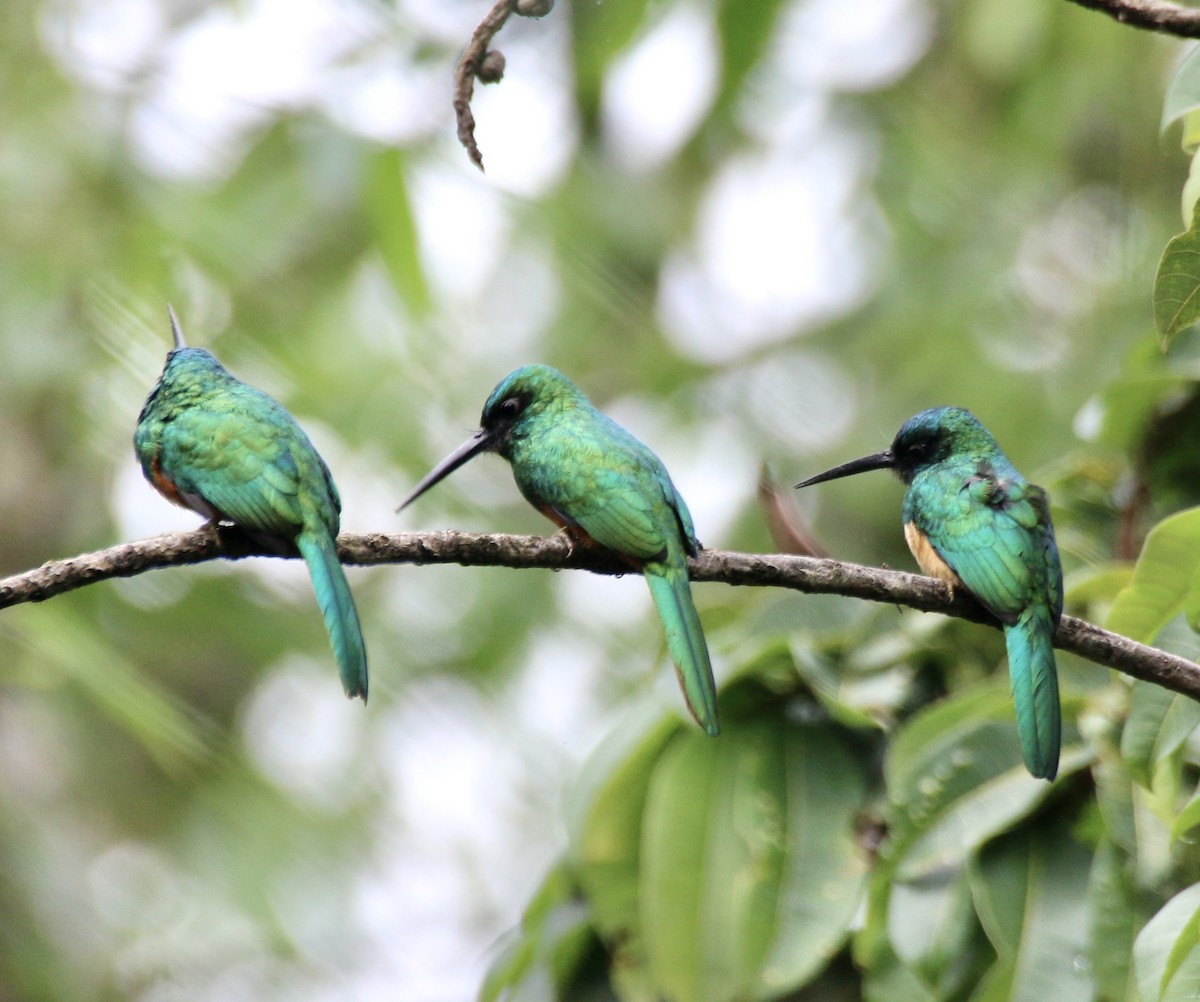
x,y
337,607
685,641
1034,678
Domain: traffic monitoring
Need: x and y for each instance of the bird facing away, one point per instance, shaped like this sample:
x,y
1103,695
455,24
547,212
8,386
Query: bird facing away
x,y
971,519
588,475
229,452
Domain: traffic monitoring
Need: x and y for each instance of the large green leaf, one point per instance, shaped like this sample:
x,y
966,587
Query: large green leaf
x,y
604,820
751,875
1183,98
1111,916
1030,891
888,980
1165,581
1167,951
1177,284
1188,818
1159,722
956,778
719,869
930,926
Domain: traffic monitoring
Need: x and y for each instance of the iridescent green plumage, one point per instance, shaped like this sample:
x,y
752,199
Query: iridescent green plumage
x,y
588,474
970,518
229,452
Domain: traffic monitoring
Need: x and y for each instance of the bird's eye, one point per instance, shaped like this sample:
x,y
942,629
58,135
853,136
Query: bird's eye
x,y
915,453
511,407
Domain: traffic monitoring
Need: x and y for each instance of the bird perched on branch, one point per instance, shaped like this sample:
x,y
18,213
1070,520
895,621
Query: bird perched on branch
x,y
211,443
971,519
588,475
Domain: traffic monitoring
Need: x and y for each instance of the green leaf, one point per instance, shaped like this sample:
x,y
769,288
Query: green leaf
x,y
1096,585
750,872
1158,724
1167,951
395,230
1188,818
604,820
887,980
1177,284
845,697
543,956
956,778
1030,891
824,868
930,925
997,984
1115,799
1183,96
1165,581
1111,912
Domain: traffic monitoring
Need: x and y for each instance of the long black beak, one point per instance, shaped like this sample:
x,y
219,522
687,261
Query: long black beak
x,y
176,330
876,461
481,441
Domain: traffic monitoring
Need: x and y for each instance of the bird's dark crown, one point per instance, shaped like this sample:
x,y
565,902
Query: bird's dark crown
x,y
523,392
934,435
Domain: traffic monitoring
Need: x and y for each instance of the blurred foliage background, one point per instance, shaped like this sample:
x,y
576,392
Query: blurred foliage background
x,y
755,233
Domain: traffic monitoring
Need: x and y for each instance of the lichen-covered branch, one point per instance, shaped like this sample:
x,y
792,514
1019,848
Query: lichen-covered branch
x,y
1153,15
471,549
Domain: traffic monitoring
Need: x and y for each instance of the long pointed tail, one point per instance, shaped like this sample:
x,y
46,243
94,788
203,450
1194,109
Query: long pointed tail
x,y
337,607
1034,678
685,640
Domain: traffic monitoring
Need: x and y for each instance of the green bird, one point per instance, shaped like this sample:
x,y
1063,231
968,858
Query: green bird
x,y
211,443
971,519
588,475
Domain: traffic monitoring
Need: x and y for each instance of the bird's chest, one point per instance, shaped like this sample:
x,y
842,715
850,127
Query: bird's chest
x,y
938,518
927,557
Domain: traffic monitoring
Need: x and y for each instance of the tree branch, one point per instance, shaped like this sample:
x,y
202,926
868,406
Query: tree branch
x,y
1153,15
470,549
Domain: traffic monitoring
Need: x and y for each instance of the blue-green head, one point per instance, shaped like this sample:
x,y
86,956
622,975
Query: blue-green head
x,y
925,439
184,365
522,397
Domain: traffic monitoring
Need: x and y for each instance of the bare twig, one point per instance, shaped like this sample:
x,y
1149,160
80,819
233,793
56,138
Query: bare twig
x,y
804,574
1153,15
478,61
468,67
790,531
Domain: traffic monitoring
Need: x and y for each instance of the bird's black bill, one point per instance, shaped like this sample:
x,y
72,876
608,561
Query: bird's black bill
x,y
876,461
481,441
176,330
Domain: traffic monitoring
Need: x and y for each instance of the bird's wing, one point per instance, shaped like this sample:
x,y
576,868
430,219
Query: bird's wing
x,y
994,531
246,469
622,515
605,482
